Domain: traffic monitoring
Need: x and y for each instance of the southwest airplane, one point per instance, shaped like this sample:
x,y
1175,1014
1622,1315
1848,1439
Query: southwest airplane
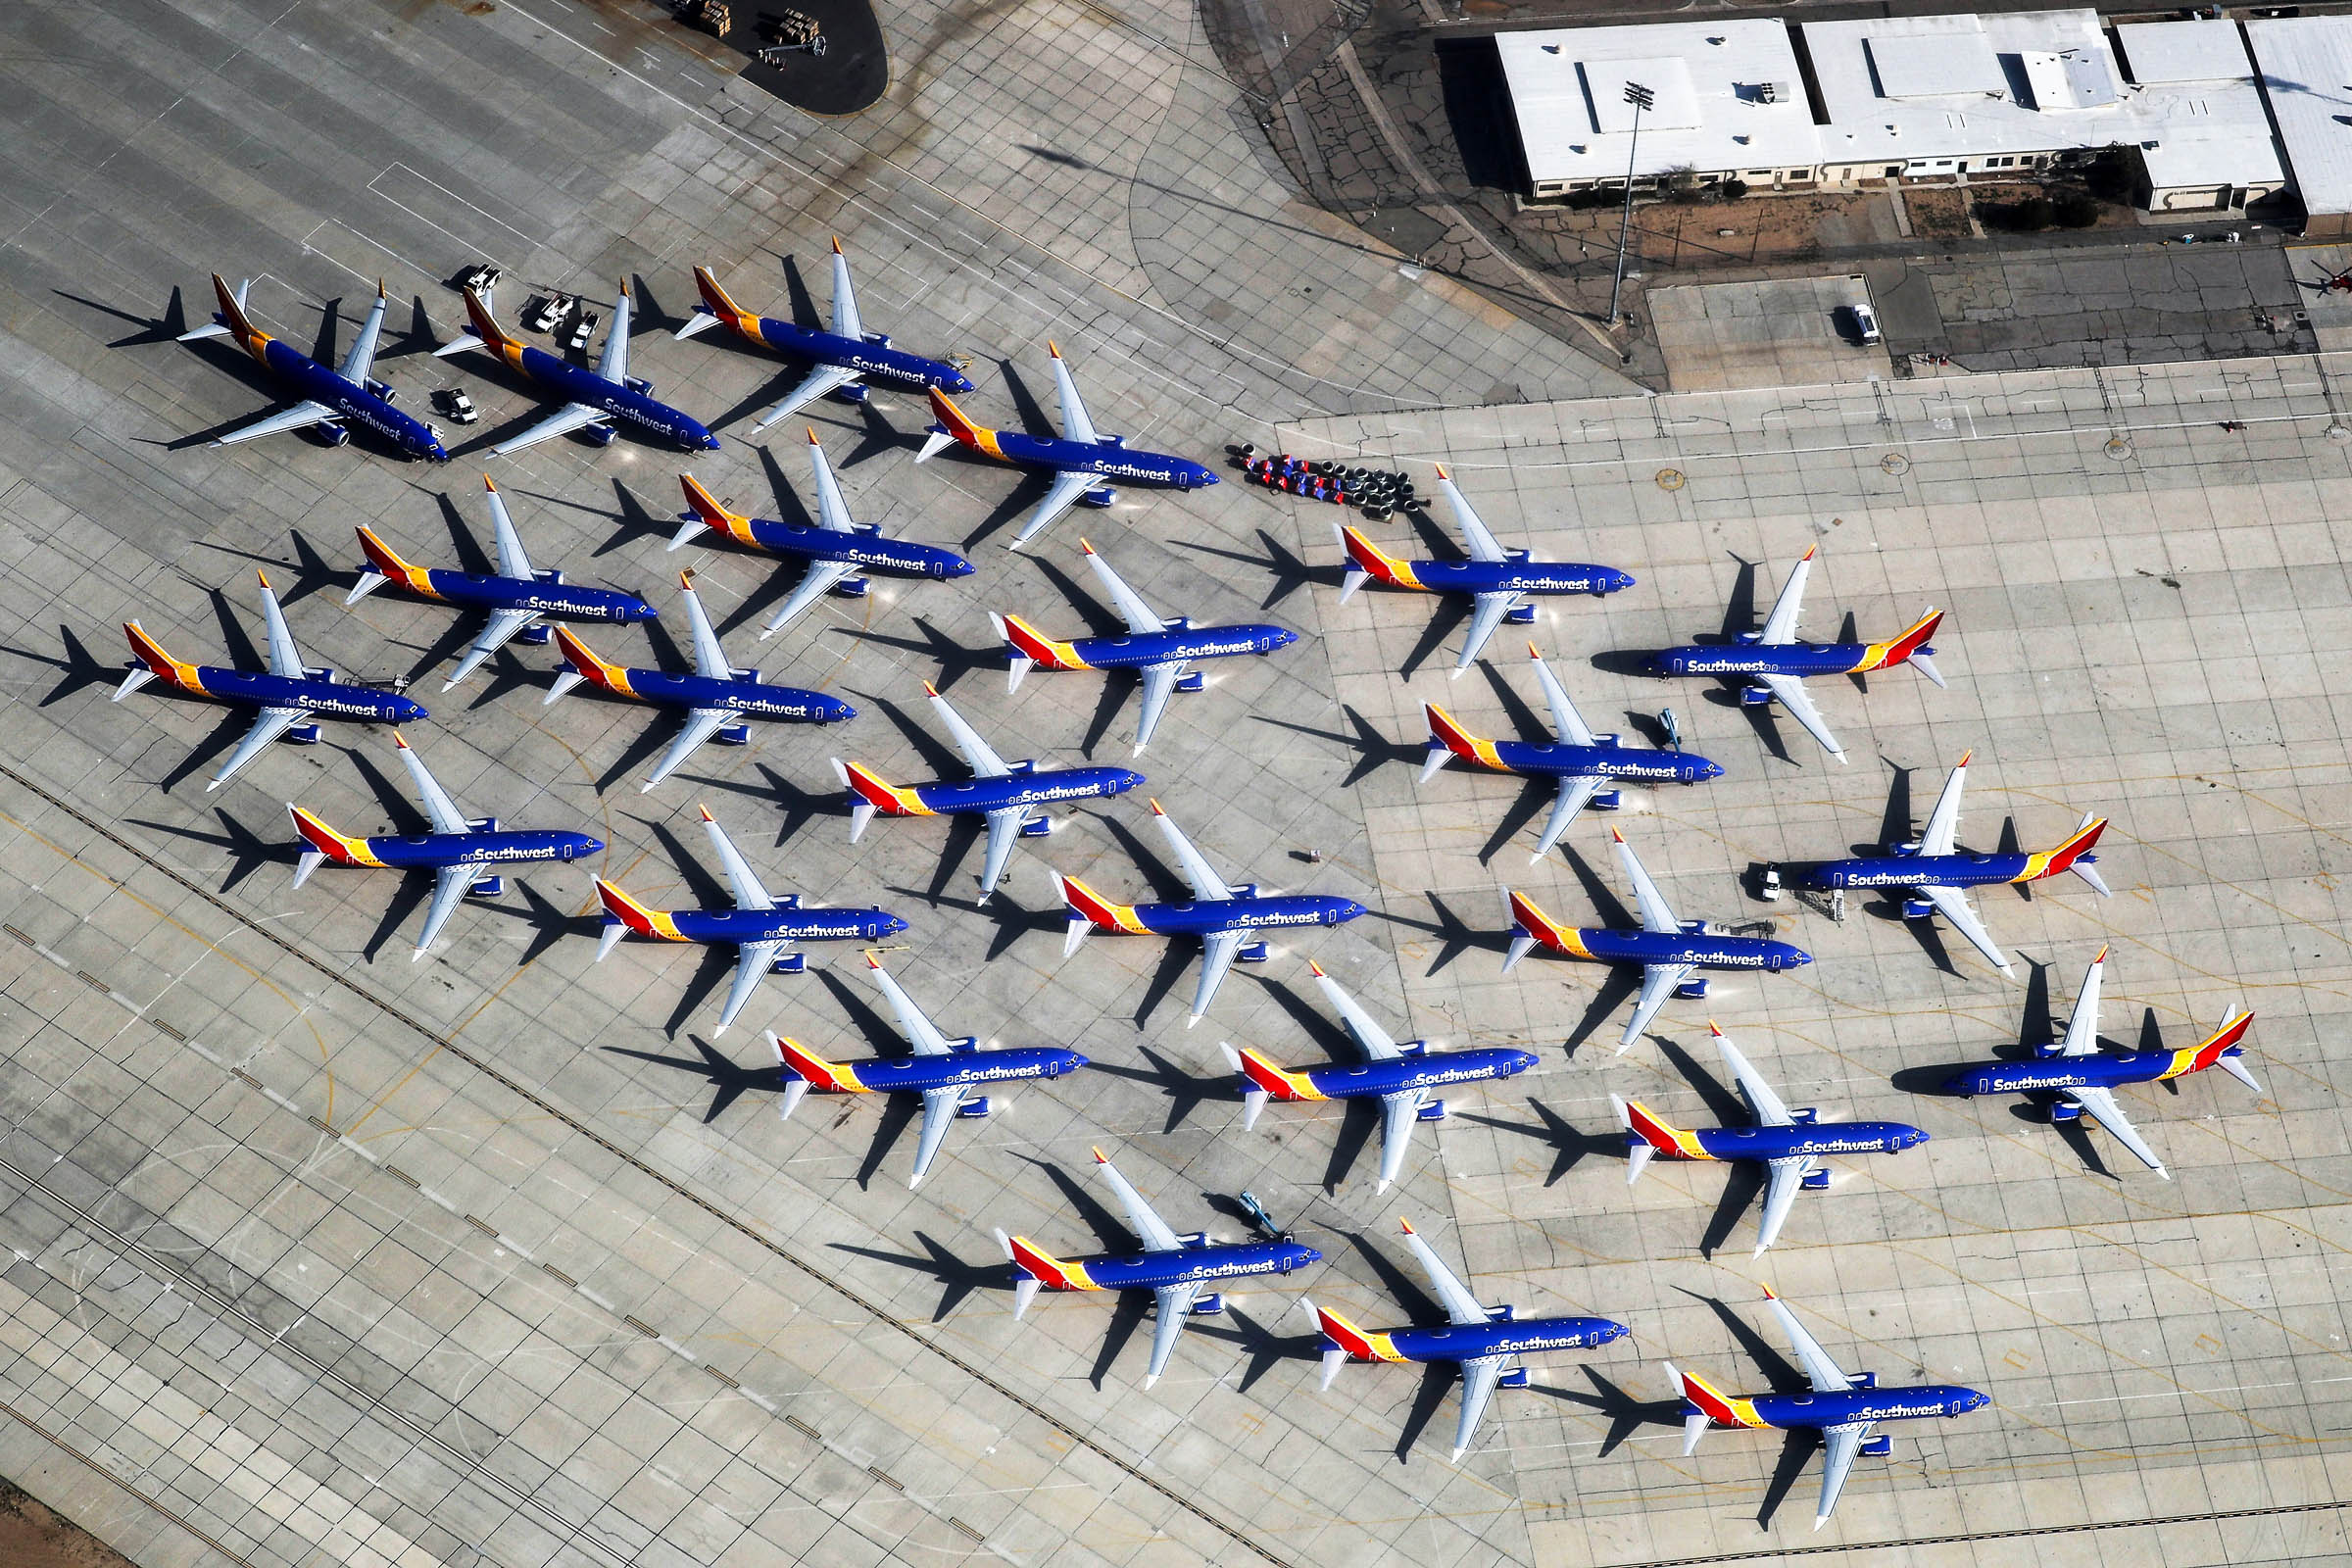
x,y
1669,951
593,399
1175,1269
1079,460
1498,581
1221,917
1159,648
2082,1078
1004,793
1584,764
1937,873
287,696
1842,1408
718,696
459,851
1792,1144
1399,1076
844,358
1483,1341
942,1071
835,548
760,926
517,596
1773,664
332,401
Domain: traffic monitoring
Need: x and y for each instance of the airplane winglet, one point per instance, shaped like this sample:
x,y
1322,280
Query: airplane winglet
x,y
1053,348
1965,755
706,810
1316,968
1404,1225
1442,474
1100,1158
837,245
1615,834
872,962
1809,551
930,690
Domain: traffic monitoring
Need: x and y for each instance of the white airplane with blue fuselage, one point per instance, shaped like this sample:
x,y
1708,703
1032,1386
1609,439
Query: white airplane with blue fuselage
x,y
332,401
596,401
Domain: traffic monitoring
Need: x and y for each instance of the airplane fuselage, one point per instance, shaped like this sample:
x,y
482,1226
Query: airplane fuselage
x,y
973,1069
872,356
1607,944
867,552
1929,870
351,403
560,600
1113,460
1510,577
1040,787
750,697
1352,1080
1805,1138
1566,759
740,926
1527,1336
329,699
1754,659
1142,648
1851,1405
1202,916
575,384
2104,1070
1188,1265
502,846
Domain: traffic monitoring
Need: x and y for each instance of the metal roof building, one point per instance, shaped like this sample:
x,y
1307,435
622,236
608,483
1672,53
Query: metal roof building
x,y
2306,65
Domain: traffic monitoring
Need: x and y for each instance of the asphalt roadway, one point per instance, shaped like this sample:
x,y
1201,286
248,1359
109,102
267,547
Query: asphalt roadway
x,y
324,1257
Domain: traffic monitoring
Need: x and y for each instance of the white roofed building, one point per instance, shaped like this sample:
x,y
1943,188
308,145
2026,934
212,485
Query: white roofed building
x,y
2306,65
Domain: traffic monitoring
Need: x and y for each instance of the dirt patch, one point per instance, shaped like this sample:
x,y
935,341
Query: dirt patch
x,y
1937,213
31,1537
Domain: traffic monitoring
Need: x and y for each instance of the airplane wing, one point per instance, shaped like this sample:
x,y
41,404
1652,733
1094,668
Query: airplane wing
x,y
1575,795
1792,696
565,420
1142,1217
362,358
1068,485
938,1111
301,417
1004,826
268,726
1492,608
831,510
1943,823
819,381
1160,684
1952,905
2100,1107
504,625
1479,1379
1843,1444
752,961
512,559
1826,1375
819,580
2082,1024
1656,915
284,657
1784,1180
1566,722
1658,981
1370,1038
982,757
1762,1102
1218,950
1398,1114
845,323
1074,420
700,724
1453,1294
1475,535
613,363
710,660
750,892
438,806
1142,619
1781,625
920,1032
1175,1310
450,886
1207,886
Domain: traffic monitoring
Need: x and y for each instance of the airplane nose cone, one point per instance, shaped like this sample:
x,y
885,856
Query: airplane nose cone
x,y
1129,778
1798,957
1283,637
1353,909
1710,770
892,925
1620,581
1526,1060
413,710
1915,1136
961,569
643,612
591,846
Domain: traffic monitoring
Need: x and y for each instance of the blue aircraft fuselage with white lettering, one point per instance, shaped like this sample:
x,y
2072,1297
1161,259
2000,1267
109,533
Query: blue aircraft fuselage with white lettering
x,y
865,550
781,924
577,384
1039,787
1849,1407
1200,917
560,601
2105,1070
329,699
352,403
1527,1336
1754,658
1109,457
1639,763
1519,575
1610,945
1802,1139
751,697
1349,1080
960,1069
1190,1265
1923,870
1140,649
870,356
498,846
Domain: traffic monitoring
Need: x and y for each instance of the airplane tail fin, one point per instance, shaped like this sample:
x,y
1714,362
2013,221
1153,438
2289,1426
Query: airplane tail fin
x,y
1445,739
1033,1268
706,513
874,794
1910,647
153,662
2075,854
2221,1049
1712,1405
320,844
1646,1138
1089,912
716,307
235,324
952,429
804,1070
585,665
486,333
622,916
1528,926
384,565
1267,1081
1367,560
1029,647
1347,1342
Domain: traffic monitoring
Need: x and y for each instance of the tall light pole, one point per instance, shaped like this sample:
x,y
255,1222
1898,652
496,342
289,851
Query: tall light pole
x,y
1640,98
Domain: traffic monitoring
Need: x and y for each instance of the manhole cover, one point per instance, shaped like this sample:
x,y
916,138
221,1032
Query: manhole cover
x,y
2118,448
1896,463
1671,479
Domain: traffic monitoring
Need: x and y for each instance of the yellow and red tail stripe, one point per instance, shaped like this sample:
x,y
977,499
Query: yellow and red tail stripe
x,y
1359,1345
1038,648
151,654
717,519
815,1069
952,420
1276,1081
1668,1139
340,847
2198,1057
1545,930
249,336
888,799
654,923
1047,1270
2049,862
388,564
1720,1407
611,677
1892,652
1375,563
1457,739
726,310
1103,915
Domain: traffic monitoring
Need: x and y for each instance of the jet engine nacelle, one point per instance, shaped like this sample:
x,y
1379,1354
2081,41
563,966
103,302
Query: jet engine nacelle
x,y
1754,696
1178,622
487,886
1192,680
1905,850
601,435
1193,1241
535,636
1520,615
1695,928
642,385
1099,497
2065,1111
317,672
1865,1380
332,433
1604,740
1515,1378
1027,765
1207,1305
1251,953
974,1107
1816,1181
1503,1314
1806,1116
2049,1049
1917,909
853,392
733,735
1692,990
1414,1048
789,963
481,825
1243,890
1608,801
1878,1447
302,735
1037,827
1433,1110
851,588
